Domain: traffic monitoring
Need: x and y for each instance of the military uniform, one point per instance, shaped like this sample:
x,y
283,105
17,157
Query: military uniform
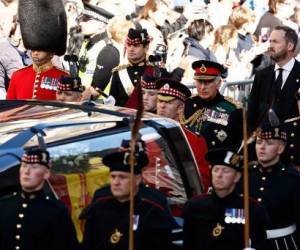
x,y
35,82
218,119
279,191
33,221
126,77
277,188
212,222
292,150
121,88
107,223
107,219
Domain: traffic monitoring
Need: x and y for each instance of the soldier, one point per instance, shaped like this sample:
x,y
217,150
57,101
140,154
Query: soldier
x,y
292,150
69,89
125,77
217,118
216,221
171,98
277,187
45,39
149,90
30,220
107,219
37,81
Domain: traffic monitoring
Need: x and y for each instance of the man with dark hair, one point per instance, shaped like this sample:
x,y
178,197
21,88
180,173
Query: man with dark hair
x,y
216,221
276,86
277,187
31,220
125,77
107,219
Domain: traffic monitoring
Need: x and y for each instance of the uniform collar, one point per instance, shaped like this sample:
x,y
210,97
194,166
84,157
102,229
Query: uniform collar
x,y
270,169
212,102
43,68
139,64
225,199
31,195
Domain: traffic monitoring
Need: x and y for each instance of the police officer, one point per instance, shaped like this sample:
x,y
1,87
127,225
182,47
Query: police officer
x,y
126,76
291,153
217,118
69,89
171,98
97,56
216,221
277,187
30,220
107,219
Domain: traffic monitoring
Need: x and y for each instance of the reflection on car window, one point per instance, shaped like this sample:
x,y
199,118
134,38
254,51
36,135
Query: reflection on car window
x,y
78,169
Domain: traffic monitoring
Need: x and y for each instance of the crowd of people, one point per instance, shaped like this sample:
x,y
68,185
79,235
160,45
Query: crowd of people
x,y
179,57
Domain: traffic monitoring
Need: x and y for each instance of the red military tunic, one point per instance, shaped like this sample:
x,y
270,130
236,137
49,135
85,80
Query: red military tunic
x,y
34,82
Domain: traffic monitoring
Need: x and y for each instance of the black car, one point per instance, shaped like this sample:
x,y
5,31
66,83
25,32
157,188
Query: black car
x,y
78,135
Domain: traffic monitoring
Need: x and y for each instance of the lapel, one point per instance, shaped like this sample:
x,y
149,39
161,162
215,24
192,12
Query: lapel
x,y
268,84
292,83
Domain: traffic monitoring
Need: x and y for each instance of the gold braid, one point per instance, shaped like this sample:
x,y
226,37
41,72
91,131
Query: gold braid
x,y
192,119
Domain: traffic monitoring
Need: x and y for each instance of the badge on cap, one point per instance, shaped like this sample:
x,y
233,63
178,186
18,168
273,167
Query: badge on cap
x,y
203,68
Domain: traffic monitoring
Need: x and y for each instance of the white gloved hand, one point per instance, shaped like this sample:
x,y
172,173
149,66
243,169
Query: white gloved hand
x,y
110,101
249,248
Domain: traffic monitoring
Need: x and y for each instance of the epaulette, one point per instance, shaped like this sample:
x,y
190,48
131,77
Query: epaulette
x,y
120,67
8,196
253,164
23,68
292,119
200,196
60,69
234,102
152,203
104,198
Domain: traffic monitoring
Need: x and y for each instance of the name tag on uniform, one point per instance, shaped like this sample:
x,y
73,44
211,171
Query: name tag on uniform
x,y
49,83
216,117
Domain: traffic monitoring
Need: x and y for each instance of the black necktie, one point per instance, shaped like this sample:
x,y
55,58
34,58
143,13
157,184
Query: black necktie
x,y
278,83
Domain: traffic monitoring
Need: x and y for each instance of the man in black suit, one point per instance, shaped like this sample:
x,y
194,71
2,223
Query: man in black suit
x,y
275,86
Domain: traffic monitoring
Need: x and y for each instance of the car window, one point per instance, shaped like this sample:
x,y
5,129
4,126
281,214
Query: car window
x,y
78,169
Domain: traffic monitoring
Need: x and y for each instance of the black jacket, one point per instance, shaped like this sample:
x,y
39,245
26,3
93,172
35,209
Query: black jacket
x,y
206,228
33,221
108,217
262,96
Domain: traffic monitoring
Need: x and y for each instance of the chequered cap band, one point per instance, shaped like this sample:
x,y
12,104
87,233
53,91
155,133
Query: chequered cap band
x,y
172,92
137,41
68,87
148,85
270,135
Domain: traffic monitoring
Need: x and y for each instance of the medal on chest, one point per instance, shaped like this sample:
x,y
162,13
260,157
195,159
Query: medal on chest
x,y
115,237
217,231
